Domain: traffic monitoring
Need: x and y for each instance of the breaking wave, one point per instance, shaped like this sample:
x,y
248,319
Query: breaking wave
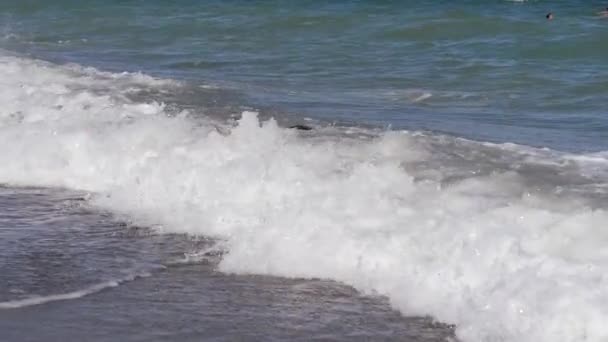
x,y
505,241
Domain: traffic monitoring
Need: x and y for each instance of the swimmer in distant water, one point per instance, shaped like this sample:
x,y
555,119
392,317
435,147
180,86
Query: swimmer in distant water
x,y
604,13
549,16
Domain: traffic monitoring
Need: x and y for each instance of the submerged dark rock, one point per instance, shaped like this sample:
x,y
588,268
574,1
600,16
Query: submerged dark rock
x,y
301,127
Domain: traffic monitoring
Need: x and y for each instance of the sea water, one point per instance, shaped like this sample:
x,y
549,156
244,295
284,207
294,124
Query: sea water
x,y
456,166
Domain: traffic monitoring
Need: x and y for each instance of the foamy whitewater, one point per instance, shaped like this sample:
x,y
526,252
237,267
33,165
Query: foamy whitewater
x,y
507,242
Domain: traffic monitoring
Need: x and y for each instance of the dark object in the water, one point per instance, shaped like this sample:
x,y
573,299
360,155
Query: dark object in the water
x,y
301,127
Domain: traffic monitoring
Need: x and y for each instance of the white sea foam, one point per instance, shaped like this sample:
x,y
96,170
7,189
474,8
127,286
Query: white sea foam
x,y
484,250
38,300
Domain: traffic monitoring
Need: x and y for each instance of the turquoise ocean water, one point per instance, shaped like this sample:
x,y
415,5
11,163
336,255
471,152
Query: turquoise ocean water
x,y
488,70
